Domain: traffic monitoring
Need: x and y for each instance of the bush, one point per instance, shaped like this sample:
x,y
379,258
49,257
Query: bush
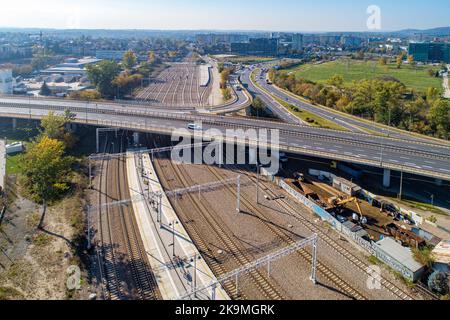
x,y
438,282
424,256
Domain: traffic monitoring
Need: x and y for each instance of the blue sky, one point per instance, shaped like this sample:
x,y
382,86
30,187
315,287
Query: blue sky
x,y
281,15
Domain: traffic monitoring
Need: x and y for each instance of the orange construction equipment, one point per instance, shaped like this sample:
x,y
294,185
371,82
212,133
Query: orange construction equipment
x,y
338,202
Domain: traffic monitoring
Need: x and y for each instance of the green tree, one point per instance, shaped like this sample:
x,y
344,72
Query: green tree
x,y
54,127
45,90
336,81
258,107
102,75
126,82
226,93
46,171
432,94
129,60
439,118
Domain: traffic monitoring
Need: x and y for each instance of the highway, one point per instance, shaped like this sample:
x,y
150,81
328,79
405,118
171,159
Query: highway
x,y
426,159
351,123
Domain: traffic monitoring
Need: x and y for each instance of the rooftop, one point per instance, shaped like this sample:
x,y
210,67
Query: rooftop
x,y
399,253
441,253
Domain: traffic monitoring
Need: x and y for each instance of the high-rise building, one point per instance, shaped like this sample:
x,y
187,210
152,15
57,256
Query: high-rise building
x,y
227,38
256,47
430,51
297,41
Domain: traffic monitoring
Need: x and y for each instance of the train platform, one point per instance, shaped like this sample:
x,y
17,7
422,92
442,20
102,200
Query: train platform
x,y
173,257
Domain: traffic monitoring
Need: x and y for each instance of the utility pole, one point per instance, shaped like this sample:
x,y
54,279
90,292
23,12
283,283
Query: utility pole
x,y
173,235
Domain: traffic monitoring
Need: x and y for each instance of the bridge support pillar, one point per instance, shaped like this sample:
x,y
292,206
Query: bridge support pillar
x,y
136,138
14,123
253,156
387,178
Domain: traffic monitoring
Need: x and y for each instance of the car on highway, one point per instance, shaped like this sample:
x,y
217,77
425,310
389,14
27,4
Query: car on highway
x,y
194,126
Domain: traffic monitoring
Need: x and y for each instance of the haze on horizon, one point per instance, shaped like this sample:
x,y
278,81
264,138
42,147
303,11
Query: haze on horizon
x,y
282,15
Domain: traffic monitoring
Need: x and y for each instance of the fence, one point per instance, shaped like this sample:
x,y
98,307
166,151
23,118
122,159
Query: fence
x,y
368,246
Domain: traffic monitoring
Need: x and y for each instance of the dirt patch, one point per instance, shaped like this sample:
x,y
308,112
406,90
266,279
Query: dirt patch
x,y
35,263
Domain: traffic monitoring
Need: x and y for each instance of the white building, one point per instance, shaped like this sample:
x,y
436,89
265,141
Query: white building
x,y
6,81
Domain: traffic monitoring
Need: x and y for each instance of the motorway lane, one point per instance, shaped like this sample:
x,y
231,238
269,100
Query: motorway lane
x,y
351,123
273,105
295,130
435,167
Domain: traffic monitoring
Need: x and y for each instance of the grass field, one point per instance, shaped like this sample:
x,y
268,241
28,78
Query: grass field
x,y
12,164
413,77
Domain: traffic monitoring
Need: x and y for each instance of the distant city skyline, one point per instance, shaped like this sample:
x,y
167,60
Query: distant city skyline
x,y
251,15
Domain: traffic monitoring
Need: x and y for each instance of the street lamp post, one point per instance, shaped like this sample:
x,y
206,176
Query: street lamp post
x,y
194,260
173,224
382,146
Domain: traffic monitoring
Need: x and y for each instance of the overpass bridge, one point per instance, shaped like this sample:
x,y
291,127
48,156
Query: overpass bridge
x,y
389,153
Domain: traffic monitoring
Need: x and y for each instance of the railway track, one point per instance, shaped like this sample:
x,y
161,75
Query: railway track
x,y
127,274
346,254
238,254
324,270
110,279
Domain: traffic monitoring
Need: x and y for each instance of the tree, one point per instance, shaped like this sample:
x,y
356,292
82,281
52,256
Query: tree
x,y
224,78
53,127
432,94
87,95
439,118
46,171
226,93
438,282
221,67
382,61
336,81
400,60
151,57
258,106
45,90
129,60
126,82
102,75
411,60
